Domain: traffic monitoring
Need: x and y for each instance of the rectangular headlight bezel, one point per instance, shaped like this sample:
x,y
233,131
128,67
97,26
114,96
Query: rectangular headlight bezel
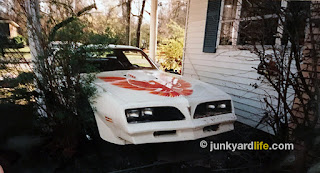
x,y
165,113
213,108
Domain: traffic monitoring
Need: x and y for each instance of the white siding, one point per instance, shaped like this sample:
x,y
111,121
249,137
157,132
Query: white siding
x,y
229,69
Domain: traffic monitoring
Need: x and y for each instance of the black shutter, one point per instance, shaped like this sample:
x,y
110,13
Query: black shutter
x,y
212,24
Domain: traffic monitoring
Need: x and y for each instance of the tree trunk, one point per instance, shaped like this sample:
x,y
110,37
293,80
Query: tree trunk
x,y
32,9
128,22
140,23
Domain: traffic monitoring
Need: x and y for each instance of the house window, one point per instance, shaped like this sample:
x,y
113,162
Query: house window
x,y
258,32
243,20
295,26
228,22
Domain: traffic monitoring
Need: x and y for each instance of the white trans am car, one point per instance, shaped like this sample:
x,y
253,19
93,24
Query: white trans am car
x,y
137,103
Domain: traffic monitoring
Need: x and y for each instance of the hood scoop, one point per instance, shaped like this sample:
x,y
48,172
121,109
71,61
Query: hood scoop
x,y
154,83
140,75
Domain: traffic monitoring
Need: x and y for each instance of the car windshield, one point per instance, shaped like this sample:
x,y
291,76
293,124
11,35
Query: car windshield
x,y
119,59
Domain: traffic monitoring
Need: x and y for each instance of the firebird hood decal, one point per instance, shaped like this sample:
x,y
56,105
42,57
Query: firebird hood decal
x,y
154,87
162,86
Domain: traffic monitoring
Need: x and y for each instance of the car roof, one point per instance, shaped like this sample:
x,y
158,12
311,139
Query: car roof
x,y
122,47
111,46
98,46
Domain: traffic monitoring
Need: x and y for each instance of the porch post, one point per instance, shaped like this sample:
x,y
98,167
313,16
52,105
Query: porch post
x,y
153,29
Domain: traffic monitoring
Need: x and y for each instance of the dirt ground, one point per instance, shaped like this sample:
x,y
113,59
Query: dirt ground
x,y
21,150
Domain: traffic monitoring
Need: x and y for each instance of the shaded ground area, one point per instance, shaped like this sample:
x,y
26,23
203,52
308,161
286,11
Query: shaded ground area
x,y
21,150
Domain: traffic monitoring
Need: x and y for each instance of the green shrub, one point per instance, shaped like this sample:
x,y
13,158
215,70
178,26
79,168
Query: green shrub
x,y
108,37
73,32
172,48
20,40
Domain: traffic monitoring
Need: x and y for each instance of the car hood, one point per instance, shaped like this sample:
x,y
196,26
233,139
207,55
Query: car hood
x,y
154,85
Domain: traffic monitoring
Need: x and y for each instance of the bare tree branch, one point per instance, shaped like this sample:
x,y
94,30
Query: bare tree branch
x,y
69,20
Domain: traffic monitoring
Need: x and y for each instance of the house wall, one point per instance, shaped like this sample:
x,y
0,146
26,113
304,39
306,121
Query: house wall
x,y
229,69
13,31
8,29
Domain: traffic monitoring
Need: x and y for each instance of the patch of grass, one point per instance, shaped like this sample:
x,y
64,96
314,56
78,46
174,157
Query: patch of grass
x,y
16,53
26,49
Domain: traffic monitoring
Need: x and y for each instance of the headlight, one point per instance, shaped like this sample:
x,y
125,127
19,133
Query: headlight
x,y
213,108
151,114
222,106
133,114
147,112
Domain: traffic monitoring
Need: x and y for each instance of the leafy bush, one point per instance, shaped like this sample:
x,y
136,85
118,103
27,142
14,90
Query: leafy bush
x,y
75,32
20,41
16,42
108,37
172,48
64,92
72,32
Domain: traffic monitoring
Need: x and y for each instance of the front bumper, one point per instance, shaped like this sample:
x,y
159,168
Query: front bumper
x,y
157,132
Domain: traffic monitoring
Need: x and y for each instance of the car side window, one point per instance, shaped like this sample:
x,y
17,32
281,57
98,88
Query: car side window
x,y
136,58
100,54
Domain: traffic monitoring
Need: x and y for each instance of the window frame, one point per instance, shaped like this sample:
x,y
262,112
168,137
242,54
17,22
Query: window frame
x,y
128,56
153,65
236,25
